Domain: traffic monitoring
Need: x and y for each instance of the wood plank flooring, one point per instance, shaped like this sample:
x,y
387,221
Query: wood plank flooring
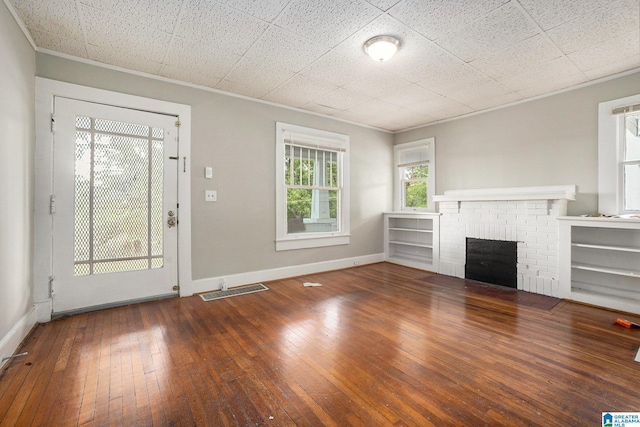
x,y
376,345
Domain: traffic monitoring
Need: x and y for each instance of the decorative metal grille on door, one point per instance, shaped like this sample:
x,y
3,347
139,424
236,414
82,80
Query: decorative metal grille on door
x,y
118,196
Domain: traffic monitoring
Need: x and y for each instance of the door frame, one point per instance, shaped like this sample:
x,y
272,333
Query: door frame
x,y
46,91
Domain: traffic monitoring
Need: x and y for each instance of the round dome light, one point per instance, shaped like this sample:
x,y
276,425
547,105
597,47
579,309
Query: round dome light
x,y
382,48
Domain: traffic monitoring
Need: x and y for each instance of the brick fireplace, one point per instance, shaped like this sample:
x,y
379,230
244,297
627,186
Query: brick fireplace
x,y
525,215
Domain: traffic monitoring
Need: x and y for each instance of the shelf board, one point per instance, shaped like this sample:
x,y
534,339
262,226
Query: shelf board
x,y
414,258
417,230
417,245
607,247
608,270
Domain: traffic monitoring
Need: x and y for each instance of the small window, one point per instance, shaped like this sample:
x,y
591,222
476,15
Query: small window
x,y
619,156
415,175
312,181
630,163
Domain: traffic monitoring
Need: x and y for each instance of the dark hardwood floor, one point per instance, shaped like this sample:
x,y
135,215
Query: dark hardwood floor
x,y
375,345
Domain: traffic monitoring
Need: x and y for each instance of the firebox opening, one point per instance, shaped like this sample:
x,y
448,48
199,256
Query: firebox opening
x,y
492,261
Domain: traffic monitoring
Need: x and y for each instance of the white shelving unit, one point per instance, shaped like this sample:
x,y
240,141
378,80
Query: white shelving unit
x,y
600,261
412,239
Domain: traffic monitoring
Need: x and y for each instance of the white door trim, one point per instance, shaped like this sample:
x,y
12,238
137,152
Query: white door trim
x,y
46,89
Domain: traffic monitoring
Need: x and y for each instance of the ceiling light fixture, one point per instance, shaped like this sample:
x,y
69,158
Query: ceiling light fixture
x,y
382,48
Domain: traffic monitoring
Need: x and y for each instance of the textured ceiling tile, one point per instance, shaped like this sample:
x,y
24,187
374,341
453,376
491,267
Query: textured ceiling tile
x,y
607,52
253,74
355,116
53,16
266,10
342,99
435,18
338,69
299,90
377,84
383,25
485,102
518,58
541,87
383,4
190,75
475,92
161,15
58,44
441,108
212,23
453,79
408,95
498,30
125,37
327,23
628,63
604,23
190,55
293,52
378,108
422,60
402,119
551,13
241,89
559,68
320,109
117,58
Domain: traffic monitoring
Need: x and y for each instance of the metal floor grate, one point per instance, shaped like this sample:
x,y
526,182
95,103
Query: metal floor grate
x,y
209,296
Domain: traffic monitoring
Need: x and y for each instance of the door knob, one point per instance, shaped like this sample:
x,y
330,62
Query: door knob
x,y
171,221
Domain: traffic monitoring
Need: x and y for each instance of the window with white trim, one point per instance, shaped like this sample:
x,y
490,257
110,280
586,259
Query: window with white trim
x,y
312,188
619,157
414,175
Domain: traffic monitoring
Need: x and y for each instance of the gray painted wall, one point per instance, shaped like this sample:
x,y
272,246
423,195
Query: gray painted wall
x,y
17,109
237,138
549,141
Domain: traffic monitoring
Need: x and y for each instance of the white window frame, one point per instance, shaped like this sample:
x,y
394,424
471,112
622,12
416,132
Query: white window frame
x,y
611,155
330,141
398,173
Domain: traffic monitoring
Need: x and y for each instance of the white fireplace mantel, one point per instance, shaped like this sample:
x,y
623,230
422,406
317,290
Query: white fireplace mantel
x,y
554,192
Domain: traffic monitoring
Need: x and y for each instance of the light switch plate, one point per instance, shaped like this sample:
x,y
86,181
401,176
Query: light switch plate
x,y
210,196
208,172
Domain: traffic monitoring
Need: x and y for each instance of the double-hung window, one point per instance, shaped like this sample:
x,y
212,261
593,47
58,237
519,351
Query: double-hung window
x,y
414,175
619,157
312,188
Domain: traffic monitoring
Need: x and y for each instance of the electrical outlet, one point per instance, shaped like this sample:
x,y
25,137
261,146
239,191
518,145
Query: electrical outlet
x,y
210,196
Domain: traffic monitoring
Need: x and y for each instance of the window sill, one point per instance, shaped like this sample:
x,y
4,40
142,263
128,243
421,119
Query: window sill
x,y
304,242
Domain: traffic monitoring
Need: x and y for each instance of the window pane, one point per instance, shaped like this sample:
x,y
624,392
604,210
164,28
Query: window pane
x,y
414,172
632,187
303,166
632,140
415,194
312,211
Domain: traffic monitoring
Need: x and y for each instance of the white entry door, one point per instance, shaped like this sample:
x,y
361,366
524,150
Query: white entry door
x,y
115,205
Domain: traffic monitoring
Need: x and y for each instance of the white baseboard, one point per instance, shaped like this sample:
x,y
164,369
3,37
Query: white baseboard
x,y
14,337
213,283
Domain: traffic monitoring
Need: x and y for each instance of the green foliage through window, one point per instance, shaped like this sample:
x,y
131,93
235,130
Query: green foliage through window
x,y
415,186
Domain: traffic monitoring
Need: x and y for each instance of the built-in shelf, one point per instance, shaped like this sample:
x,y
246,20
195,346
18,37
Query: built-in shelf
x,y
410,229
412,239
417,245
607,247
607,270
600,261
